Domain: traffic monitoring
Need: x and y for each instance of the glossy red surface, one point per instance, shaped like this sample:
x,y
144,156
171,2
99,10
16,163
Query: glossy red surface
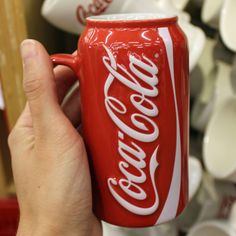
x,y
104,137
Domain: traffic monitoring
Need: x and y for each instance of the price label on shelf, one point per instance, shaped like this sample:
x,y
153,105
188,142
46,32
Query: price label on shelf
x,y
2,105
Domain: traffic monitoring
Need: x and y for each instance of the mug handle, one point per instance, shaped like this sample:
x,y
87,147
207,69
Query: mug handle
x,y
72,61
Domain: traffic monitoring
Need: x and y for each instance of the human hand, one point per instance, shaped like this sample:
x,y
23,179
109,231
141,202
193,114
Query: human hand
x,y
49,159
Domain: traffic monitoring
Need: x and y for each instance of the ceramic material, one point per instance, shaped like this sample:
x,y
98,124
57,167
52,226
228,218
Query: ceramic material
x,y
204,205
205,65
219,141
196,40
204,104
211,12
216,227
224,88
140,178
217,87
202,83
195,176
228,16
211,228
71,15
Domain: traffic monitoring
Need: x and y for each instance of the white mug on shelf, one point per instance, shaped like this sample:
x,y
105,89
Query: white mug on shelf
x,y
211,10
204,104
219,142
219,149
216,227
224,88
199,77
195,174
169,6
216,87
196,40
204,205
227,21
64,14
70,15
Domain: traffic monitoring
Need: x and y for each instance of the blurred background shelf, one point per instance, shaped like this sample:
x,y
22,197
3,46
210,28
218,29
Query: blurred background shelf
x,y
12,32
20,19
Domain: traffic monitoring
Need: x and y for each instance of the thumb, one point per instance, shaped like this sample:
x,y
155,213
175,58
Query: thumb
x,y
39,86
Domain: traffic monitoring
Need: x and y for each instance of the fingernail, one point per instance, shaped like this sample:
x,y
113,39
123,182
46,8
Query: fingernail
x,y
28,50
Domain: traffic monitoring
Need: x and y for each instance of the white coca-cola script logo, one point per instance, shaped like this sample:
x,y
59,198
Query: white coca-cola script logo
x,y
143,128
95,8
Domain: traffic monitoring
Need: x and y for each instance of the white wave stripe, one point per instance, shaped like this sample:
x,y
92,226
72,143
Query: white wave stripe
x,y
171,205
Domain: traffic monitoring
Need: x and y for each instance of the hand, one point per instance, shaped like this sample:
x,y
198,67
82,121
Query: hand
x,y
49,159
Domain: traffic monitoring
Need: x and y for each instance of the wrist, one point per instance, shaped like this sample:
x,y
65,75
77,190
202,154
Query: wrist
x,y
44,232
32,229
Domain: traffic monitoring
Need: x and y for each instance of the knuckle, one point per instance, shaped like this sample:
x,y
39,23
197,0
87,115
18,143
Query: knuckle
x,y
33,87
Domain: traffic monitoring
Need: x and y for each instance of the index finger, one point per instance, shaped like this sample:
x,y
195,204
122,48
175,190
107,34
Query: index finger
x,y
64,79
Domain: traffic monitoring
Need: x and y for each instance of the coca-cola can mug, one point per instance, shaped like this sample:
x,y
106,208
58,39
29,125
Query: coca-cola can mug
x,y
133,73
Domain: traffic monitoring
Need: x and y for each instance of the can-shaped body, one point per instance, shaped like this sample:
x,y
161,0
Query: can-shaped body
x,y
133,72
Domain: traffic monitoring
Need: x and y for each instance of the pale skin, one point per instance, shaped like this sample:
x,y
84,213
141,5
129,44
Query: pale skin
x,y
49,159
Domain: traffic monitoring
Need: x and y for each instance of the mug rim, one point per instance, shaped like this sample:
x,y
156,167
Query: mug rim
x,y
132,20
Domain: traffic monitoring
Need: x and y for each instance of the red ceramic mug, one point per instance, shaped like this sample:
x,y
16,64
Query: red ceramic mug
x,y
133,73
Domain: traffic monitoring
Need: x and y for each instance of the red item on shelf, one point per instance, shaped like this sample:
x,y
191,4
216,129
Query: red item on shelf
x,y
9,217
